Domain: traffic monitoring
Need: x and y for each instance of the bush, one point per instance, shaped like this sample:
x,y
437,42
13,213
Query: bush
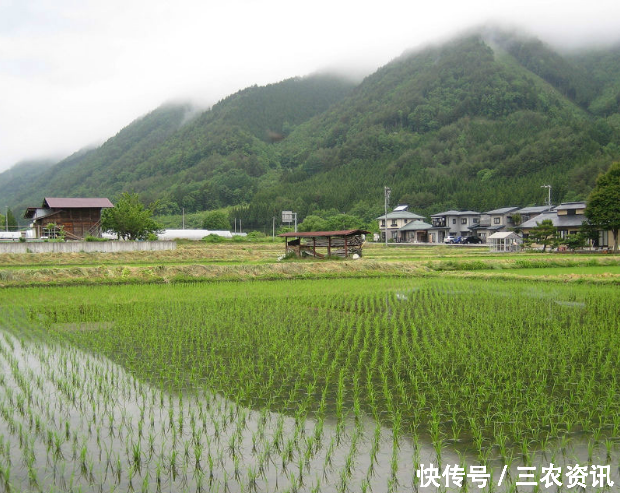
x,y
94,238
256,236
213,238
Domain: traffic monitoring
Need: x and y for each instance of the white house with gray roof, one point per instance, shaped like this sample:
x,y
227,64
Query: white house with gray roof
x,y
391,223
494,221
453,223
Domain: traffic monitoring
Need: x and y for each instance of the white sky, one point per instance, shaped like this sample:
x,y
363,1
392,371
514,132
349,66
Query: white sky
x,y
74,72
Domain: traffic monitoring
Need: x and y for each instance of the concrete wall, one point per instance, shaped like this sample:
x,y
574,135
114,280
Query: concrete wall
x,y
86,246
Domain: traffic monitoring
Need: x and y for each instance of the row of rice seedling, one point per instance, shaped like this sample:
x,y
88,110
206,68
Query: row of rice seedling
x,y
303,386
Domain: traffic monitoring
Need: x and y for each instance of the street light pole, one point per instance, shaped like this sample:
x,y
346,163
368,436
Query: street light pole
x,y
386,193
548,187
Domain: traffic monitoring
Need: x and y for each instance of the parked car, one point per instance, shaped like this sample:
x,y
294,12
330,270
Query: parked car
x,y
453,239
473,240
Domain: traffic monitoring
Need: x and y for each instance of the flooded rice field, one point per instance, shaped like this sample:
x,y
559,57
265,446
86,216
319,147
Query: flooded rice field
x,y
425,387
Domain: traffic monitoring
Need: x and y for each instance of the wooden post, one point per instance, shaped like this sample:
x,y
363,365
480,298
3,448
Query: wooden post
x,y
314,246
329,246
346,253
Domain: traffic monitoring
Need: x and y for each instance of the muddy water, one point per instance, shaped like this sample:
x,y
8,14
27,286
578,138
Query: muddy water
x,y
72,421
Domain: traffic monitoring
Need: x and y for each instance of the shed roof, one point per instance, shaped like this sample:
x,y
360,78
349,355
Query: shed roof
x,y
315,234
502,235
76,203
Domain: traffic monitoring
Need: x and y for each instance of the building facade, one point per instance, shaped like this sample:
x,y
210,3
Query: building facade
x,y
73,218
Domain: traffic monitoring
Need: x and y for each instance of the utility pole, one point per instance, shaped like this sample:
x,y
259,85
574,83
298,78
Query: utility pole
x,y
548,187
386,192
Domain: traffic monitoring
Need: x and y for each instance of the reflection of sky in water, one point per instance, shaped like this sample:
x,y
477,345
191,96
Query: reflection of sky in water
x,y
69,419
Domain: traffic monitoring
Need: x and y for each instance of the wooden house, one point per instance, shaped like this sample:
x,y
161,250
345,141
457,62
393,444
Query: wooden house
x,y
76,218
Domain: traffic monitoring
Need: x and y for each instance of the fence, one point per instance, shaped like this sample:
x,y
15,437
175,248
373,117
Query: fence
x,y
86,246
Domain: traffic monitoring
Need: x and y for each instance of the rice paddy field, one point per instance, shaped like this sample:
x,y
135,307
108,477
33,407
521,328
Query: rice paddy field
x,y
315,384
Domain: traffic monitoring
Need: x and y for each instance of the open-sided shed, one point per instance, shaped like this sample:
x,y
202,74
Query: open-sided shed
x,y
332,243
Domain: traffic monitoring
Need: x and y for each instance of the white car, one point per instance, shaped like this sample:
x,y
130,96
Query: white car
x,y
449,239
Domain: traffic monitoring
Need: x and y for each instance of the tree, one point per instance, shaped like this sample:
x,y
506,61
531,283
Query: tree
x,y
603,209
575,241
544,233
129,219
217,220
313,223
8,220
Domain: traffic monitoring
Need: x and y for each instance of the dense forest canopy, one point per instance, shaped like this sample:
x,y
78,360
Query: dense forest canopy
x,y
477,123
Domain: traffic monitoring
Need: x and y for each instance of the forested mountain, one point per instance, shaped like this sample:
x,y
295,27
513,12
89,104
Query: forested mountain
x,y
477,123
196,160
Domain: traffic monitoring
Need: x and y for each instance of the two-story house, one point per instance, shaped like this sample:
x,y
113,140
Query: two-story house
x,y
568,218
391,223
527,213
494,221
453,223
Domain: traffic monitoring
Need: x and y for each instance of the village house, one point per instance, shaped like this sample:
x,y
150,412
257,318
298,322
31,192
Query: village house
x,y
391,223
75,218
528,213
416,232
452,223
568,218
494,221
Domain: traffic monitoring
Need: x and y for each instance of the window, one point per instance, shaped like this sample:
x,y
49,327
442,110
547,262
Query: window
x,y
475,220
454,221
383,223
496,220
393,225
464,220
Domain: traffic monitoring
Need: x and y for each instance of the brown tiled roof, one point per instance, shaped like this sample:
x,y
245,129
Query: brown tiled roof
x,y
310,234
76,203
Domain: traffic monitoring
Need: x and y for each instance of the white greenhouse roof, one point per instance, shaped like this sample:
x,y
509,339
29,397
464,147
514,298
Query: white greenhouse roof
x,y
502,235
191,234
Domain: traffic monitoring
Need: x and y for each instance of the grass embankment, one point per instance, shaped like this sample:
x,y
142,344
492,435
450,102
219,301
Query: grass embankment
x,y
250,261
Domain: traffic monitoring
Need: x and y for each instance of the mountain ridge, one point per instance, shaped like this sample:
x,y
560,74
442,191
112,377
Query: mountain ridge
x,y
472,123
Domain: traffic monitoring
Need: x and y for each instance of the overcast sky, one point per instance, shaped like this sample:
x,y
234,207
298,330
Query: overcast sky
x,y
74,72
